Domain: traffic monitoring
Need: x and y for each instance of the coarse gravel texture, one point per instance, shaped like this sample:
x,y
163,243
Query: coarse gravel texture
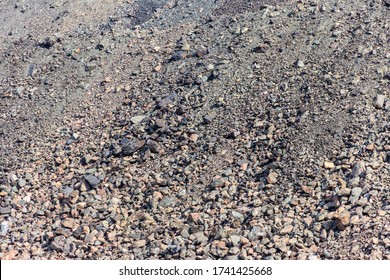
x,y
195,129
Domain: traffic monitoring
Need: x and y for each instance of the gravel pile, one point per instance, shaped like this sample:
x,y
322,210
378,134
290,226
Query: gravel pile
x,y
179,130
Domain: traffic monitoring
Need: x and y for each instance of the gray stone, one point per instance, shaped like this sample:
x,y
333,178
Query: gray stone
x,y
137,119
199,237
167,201
238,216
21,183
300,63
58,243
358,169
5,210
132,147
379,101
92,180
209,118
355,194
235,239
354,182
153,146
4,228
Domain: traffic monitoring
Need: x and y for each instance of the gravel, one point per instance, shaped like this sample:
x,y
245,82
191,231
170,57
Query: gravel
x,y
195,131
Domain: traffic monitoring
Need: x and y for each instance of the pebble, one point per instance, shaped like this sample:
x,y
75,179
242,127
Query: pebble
x,y
358,169
355,194
139,243
379,101
342,217
4,228
132,147
209,118
5,210
329,165
287,229
21,183
137,119
272,178
92,180
300,64
153,146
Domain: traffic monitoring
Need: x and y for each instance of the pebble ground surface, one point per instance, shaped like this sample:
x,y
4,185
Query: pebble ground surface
x,y
195,129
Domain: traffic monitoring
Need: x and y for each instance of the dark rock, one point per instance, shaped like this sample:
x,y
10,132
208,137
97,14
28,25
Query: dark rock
x,y
132,147
153,146
92,180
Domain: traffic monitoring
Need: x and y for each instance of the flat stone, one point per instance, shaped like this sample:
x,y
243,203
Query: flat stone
x,y
137,119
132,147
379,101
329,165
354,182
238,216
92,180
167,201
358,169
209,118
5,210
344,191
355,194
287,229
199,237
139,243
4,228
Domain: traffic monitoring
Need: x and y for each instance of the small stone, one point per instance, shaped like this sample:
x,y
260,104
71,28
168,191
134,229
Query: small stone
x,y
194,217
272,178
194,137
218,182
92,180
238,216
308,221
68,223
209,118
167,201
358,169
344,191
21,183
137,119
379,101
300,64
199,237
286,229
186,47
4,228
58,243
342,217
307,189
355,194
329,165
139,243
235,239
132,147
5,210
354,182
370,147
153,146
234,250
354,219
